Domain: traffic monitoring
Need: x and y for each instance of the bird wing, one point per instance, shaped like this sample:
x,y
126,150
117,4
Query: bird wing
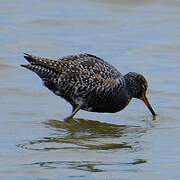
x,y
97,80
77,65
82,76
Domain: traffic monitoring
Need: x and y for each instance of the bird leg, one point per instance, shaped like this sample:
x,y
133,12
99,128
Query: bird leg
x,y
75,110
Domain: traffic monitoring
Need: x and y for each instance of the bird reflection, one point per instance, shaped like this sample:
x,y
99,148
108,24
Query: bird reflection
x,y
87,134
91,166
83,134
90,127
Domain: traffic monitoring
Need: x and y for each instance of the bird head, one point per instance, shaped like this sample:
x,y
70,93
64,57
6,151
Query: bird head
x,y
137,86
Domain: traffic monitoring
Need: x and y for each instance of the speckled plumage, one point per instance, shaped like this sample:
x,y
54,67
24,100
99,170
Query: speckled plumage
x,y
87,82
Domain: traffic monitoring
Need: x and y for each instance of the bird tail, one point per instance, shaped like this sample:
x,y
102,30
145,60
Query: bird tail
x,y
43,67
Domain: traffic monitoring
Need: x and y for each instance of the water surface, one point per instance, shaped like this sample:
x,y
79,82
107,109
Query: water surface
x,y
139,35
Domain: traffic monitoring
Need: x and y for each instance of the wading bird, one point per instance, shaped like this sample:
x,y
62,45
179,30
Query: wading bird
x,y
88,82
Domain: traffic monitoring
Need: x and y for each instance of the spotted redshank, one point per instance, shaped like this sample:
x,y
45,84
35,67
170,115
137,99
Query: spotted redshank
x,y
88,82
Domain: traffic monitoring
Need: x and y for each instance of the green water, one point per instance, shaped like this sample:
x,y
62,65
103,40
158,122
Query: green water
x,y
139,35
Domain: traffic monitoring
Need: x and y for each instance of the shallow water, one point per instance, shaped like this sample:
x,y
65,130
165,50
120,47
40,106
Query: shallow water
x,y
139,35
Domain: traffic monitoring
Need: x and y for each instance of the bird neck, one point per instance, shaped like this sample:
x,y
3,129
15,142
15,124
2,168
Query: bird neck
x,y
129,85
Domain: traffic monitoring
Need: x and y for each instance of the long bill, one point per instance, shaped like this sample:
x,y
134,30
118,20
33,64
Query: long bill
x,y
148,105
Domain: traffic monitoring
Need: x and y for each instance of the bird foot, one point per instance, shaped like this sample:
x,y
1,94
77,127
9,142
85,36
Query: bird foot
x,y
68,119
